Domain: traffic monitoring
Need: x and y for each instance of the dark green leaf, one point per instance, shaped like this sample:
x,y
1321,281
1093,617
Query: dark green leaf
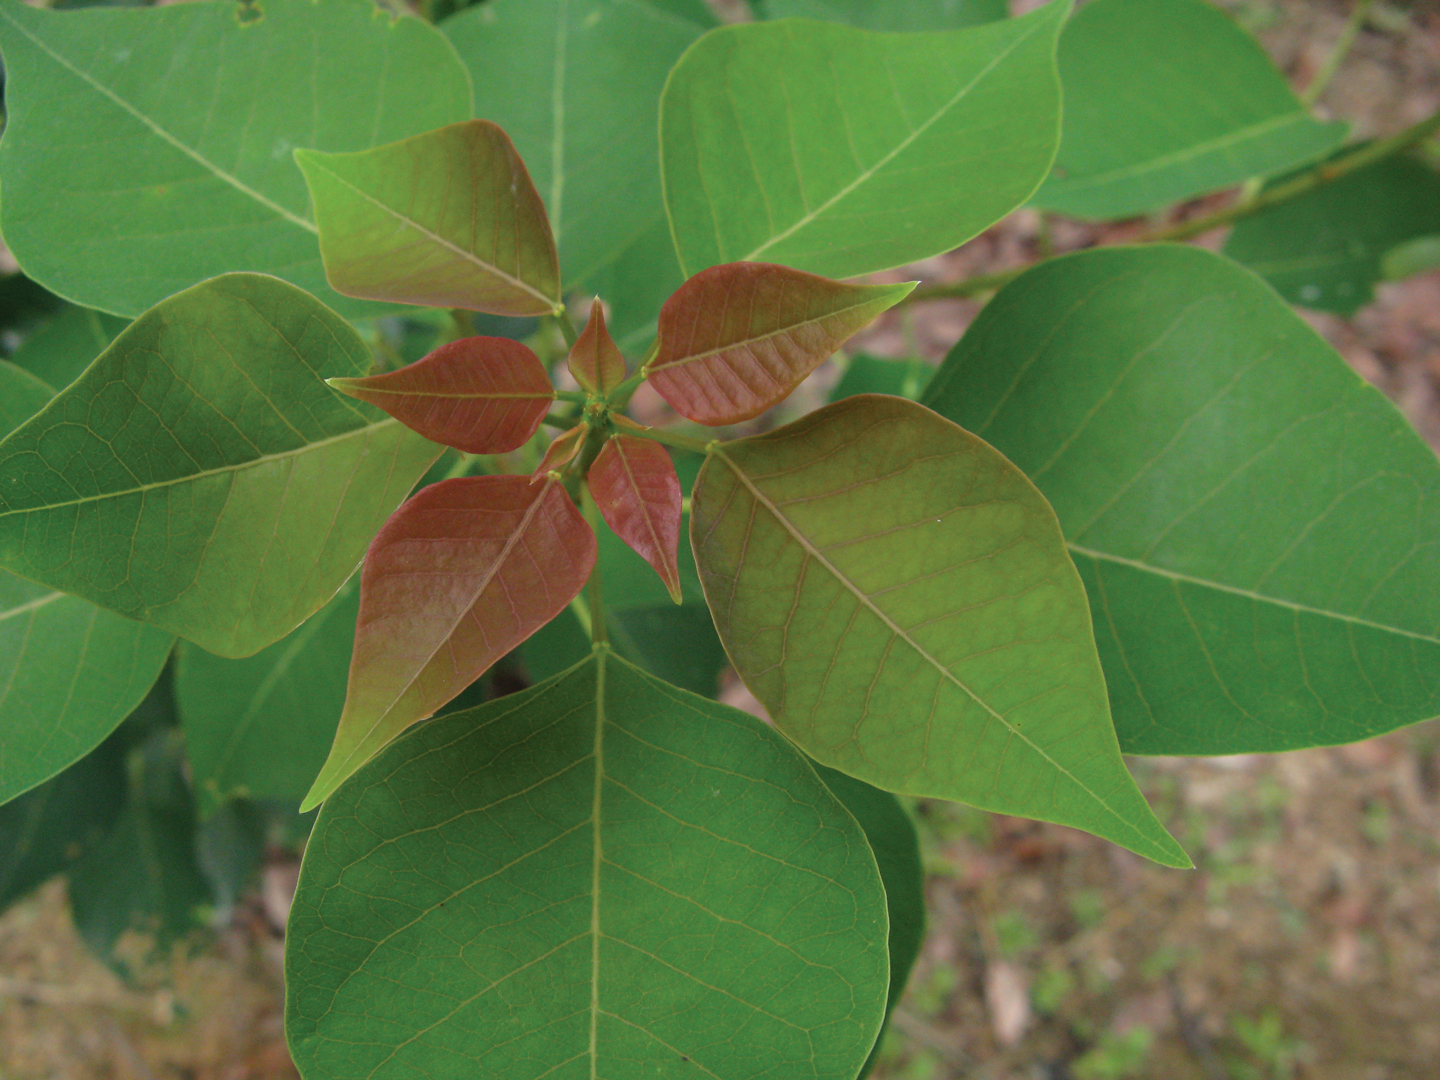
x,y
1324,249
22,395
839,151
892,15
1258,529
678,644
262,726
229,848
601,875
1165,99
149,149
899,598
62,348
876,375
200,475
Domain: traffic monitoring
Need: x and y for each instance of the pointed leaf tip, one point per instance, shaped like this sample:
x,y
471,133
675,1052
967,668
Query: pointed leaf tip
x,y
482,395
460,575
737,339
637,490
595,361
561,451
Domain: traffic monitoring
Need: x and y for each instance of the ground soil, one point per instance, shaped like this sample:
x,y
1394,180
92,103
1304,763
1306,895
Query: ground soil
x,y
1306,943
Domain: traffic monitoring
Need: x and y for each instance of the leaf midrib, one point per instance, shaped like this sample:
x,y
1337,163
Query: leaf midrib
x,y
160,133
1249,594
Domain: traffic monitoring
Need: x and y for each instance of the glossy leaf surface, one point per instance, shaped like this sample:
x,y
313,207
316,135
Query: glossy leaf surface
x,y
444,219
1325,249
1258,529
635,487
200,476
840,151
737,339
595,361
60,350
460,575
599,876
69,671
482,395
197,113
899,598
1166,99
891,15
261,727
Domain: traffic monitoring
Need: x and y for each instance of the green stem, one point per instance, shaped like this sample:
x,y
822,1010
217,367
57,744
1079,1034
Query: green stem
x,y
594,597
618,398
1343,44
578,396
461,467
556,420
567,328
674,438
971,286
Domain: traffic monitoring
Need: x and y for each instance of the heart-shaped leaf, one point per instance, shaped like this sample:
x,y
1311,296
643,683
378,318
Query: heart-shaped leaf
x,y
595,361
736,339
482,395
634,484
445,219
200,476
599,876
899,598
460,575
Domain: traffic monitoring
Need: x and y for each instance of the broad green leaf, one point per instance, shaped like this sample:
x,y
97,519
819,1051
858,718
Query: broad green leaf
x,y
482,395
637,492
148,149
1325,249
576,83
144,875
1167,99
69,672
599,876
595,361
842,151
200,476
899,598
1258,529
444,219
261,727
892,837
47,829
737,339
62,348
866,374
461,574
891,15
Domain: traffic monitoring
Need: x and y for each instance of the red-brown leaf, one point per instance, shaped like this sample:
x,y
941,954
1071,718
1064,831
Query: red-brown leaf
x,y
736,339
561,450
482,395
595,361
634,484
460,575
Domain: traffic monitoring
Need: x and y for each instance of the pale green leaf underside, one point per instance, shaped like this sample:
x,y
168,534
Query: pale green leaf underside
x,y
200,476
1258,529
1167,99
149,149
841,151
599,876
898,596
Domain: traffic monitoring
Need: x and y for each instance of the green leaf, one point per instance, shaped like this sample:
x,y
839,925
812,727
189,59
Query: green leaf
x,y
69,672
261,726
601,875
1167,99
444,219
676,644
144,876
200,476
1257,527
1325,249
45,830
892,15
576,83
899,598
148,149
892,837
1418,256
839,151
879,375
62,348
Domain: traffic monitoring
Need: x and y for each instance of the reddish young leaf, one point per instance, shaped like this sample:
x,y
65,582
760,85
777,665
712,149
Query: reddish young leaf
x,y
482,395
460,575
635,486
449,218
561,450
595,361
736,339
